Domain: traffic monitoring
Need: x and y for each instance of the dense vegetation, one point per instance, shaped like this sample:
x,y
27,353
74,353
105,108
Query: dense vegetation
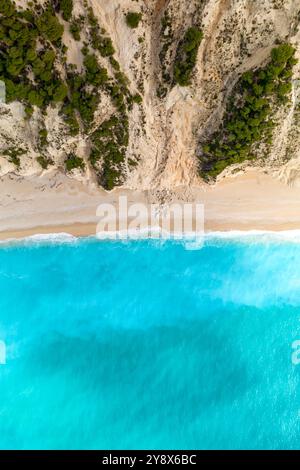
x,y
133,19
31,47
186,56
14,154
66,7
19,57
44,161
166,40
75,30
248,118
99,40
110,141
73,161
49,26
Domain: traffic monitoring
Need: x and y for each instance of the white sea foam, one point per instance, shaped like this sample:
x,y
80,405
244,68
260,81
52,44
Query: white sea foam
x,y
192,239
155,232
256,235
158,232
41,238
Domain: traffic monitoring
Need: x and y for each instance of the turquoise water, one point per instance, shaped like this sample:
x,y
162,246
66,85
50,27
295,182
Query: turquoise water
x,y
150,345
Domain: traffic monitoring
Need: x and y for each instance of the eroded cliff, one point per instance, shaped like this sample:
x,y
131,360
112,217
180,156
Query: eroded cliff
x,y
135,90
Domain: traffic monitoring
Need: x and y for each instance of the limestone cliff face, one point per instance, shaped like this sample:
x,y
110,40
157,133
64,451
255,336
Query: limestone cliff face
x,y
167,128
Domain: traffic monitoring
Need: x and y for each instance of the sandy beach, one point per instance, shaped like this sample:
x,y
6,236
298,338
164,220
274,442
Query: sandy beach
x,y
56,204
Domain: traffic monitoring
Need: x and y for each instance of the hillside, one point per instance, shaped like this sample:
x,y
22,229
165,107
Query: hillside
x,y
150,94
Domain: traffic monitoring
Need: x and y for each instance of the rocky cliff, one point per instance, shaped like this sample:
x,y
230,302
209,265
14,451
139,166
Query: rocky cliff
x,y
143,93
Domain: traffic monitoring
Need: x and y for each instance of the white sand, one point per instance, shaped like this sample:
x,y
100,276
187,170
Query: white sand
x,y
54,203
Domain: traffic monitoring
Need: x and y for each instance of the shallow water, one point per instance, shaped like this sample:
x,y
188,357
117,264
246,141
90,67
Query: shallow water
x,y
150,345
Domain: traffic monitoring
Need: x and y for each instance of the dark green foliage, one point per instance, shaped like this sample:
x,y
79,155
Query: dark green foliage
x,y
186,56
35,98
84,100
92,18
282,54
43,137
166,40
95,75
19,55
117,96
28,111
75,30
85,50
106,49
7,8
70,119
248,119
91,64
137,98
14,155
115,64
49,26
110,141
66,6
86,106
21,32
99,41
60,93
161,91
73,162
44,161
133,19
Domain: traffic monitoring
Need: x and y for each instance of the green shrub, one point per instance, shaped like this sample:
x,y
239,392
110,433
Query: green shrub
x,y
75,30
70,118
43,137
115,64
35,99
248,118
95,74
110,141
66,6
49,26
106,47
73,162
7,8
133,19
31,55
60,93
44,161
91,64
110,177
99,41
84,99
137,99
28,111
186,56
281,54
14,155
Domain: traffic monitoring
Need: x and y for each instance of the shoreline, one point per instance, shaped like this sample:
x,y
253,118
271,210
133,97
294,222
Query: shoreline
x,y
81,231
56,204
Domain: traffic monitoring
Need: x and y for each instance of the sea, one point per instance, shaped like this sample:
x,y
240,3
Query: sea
x,y
150,344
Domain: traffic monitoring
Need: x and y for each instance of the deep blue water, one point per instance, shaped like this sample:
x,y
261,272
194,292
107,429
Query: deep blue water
x,y
150,345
